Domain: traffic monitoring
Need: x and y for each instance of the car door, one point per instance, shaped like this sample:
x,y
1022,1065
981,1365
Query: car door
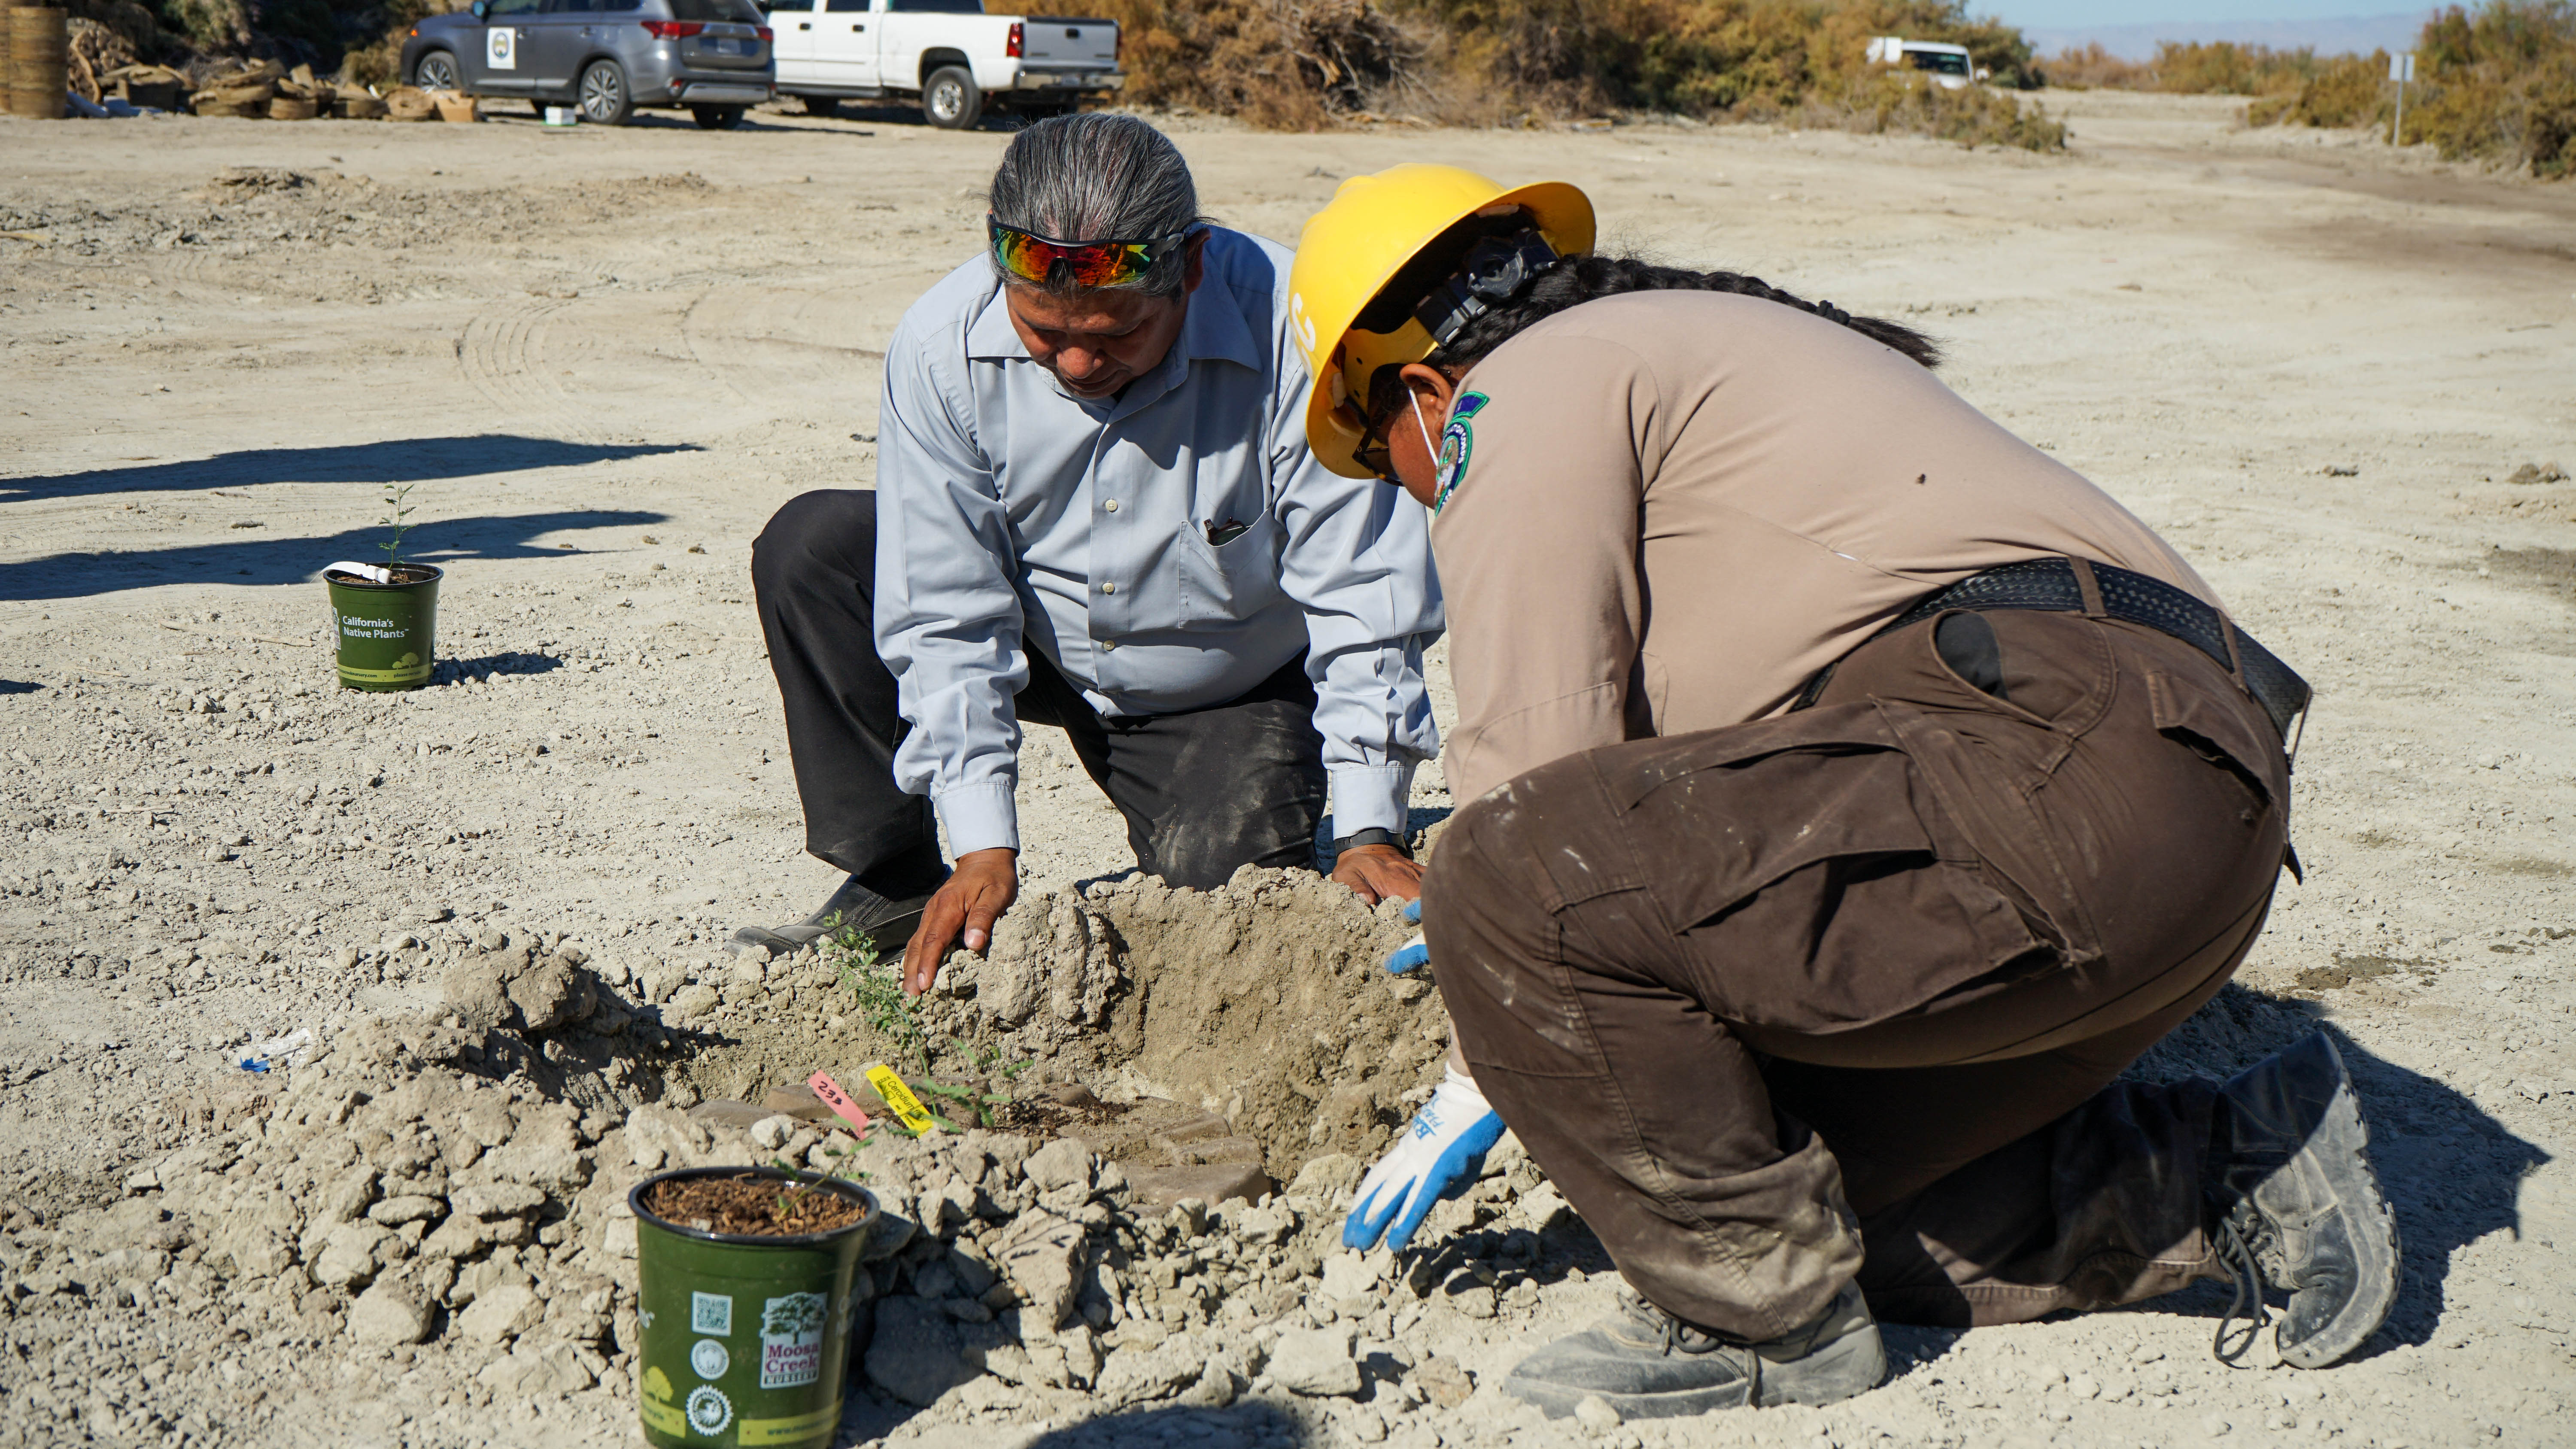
x,y
792,22
845,44
496,62
558,40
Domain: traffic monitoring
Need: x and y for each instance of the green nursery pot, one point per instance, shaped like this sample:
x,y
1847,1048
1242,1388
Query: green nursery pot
x,y
388,632
745,1338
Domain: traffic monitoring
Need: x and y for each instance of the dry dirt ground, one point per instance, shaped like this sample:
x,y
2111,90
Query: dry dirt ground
x,y
604,357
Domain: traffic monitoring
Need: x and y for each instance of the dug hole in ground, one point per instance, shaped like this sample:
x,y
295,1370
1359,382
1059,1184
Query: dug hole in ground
x,y
2335,377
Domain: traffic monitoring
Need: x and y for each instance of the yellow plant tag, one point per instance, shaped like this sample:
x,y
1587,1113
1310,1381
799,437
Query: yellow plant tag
x,y
907,1108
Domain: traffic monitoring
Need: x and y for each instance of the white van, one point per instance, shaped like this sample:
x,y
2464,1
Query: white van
x,y
950,53
1949,66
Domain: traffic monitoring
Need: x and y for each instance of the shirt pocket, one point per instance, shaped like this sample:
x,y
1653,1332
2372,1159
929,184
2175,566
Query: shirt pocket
x,y
1230,556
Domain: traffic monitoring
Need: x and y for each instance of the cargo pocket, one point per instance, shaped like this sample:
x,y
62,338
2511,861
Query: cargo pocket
x,y
1807,876
2186,714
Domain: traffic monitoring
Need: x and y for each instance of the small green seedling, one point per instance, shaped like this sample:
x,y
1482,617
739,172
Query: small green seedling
x,y
889,1013
397,509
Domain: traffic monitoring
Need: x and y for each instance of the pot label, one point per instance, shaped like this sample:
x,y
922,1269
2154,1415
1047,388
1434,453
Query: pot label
x,y
709,1410
711,1313
358,626
660,1414
709,1358
801,1429
791,1340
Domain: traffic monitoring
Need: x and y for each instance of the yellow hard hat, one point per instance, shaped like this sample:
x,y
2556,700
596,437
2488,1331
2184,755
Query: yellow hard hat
x,y
1356,245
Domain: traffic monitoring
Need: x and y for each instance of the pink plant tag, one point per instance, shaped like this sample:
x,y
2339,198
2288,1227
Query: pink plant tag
x,y
839,1101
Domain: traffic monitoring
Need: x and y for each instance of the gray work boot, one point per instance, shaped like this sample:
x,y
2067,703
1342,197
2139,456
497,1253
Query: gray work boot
x,y
2296,1194
1648,1364
889,923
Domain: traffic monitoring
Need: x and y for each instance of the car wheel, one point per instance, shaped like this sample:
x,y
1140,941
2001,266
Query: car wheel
x,y
821,105
436,71
604,98
717,118
951,100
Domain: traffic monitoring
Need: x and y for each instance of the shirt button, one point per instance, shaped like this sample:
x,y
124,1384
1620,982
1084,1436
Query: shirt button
x,y
1111,505
1108,645
1108,588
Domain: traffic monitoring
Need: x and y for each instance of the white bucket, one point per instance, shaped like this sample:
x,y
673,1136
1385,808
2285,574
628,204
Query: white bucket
x,y
562,116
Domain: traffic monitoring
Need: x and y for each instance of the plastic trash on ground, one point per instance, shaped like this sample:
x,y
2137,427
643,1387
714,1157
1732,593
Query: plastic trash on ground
x,y
276,1052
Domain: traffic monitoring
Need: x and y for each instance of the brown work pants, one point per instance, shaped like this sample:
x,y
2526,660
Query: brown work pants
x,y
1844,992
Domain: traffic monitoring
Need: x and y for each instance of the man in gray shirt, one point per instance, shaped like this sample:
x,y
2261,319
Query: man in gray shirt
x,y
1095,509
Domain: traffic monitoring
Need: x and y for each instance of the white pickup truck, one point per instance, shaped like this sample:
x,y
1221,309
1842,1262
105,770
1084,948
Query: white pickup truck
x,y
951,54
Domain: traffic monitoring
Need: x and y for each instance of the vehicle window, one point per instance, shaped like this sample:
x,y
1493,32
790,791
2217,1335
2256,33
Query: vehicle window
x,y
938,7
1938,60
620,6
499,8
739,11
844,7
798,5
571,7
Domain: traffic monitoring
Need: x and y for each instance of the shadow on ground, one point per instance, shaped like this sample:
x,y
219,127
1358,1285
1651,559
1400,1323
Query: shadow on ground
x,y
398,460
2452,1171
295,560
1239,1426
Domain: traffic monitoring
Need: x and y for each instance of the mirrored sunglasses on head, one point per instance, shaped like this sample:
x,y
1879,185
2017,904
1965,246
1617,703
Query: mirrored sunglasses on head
x,y
1114,262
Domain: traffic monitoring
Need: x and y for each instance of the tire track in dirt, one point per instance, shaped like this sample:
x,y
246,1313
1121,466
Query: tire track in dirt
x,y
502,353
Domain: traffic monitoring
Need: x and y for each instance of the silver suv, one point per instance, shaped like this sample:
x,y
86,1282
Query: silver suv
x,y
607,57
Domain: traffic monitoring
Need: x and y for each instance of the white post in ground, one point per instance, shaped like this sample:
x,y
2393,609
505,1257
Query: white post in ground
x,y
2401,69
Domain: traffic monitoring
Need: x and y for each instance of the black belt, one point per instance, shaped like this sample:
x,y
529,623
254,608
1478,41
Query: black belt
x,y
2076,586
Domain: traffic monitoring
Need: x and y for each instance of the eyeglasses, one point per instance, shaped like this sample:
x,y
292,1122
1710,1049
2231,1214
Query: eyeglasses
x,y
1115,263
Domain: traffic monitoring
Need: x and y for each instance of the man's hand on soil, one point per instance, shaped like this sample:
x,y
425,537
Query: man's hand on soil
x,y
1440,1154
1379,872
980,887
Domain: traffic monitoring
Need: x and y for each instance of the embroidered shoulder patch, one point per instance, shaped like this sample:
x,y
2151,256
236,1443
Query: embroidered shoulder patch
x,y
1457,446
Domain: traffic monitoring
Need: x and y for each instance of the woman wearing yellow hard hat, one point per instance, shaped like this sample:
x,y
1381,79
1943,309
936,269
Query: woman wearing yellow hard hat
x,y
1851,792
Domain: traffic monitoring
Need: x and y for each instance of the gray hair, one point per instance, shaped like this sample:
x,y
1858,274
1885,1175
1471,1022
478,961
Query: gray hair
x,y
1097,177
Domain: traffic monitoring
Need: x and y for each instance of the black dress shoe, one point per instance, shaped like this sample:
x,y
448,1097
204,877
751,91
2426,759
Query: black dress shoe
x,y
889,923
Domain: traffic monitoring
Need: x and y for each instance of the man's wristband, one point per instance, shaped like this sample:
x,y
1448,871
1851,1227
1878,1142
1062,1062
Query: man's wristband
x,y
1372,836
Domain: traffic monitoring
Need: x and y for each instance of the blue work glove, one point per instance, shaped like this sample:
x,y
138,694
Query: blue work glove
x,y
1439,1155
1413,955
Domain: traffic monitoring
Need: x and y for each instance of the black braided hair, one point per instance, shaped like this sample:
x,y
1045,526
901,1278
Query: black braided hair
x,y
1578,280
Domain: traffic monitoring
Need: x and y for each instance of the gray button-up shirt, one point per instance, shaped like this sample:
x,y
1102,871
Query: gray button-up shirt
x,y
1009,509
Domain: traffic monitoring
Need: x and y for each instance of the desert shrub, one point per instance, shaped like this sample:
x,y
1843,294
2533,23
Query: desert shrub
x,y
375,59
2190,68
1291,63
1972,116
2500,85
2350,90
1276,63
2228,69
2083,70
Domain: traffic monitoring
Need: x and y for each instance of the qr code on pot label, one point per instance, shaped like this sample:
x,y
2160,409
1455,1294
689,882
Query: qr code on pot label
x,y
711,1313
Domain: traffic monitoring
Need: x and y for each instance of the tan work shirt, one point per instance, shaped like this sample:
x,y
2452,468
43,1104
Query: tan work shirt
x,y
1670,509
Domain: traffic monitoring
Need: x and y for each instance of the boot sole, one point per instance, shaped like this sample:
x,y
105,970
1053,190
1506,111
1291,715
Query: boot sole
x,y
1853,1365
2373,1224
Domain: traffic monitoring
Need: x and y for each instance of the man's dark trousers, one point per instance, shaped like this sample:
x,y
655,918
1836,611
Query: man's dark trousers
x,y
1205,791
